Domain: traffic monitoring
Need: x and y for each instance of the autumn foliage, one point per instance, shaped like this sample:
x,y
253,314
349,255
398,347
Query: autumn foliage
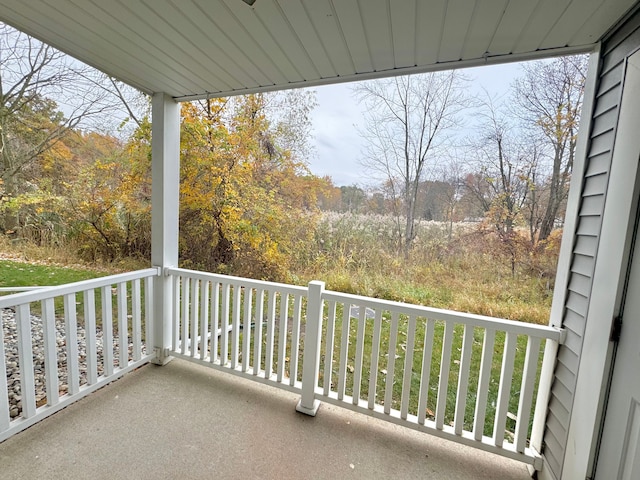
x,y
248,204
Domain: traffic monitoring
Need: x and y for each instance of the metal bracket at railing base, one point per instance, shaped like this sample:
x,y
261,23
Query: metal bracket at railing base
x,y
308,411
162,356
537,464
563,335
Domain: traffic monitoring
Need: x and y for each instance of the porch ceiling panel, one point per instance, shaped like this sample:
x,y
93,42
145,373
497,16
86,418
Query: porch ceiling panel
x,y
195,48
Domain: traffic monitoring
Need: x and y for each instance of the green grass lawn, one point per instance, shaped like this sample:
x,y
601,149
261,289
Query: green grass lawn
x,y
417,351
24,274
20,274
399,351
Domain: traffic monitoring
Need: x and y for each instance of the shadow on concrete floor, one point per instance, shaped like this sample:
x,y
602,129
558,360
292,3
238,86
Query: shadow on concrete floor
x,y
187,421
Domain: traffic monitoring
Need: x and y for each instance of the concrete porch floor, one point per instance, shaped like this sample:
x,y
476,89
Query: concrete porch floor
x,y
187,421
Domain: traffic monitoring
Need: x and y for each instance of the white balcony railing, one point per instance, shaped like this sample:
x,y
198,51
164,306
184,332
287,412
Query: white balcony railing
x,y
58,344
246,327
468,378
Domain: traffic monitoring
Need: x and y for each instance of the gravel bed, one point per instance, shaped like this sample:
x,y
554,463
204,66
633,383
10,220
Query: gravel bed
x,y
14,390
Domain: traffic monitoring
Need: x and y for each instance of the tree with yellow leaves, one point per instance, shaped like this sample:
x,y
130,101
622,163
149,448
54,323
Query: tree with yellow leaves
x,y
247,203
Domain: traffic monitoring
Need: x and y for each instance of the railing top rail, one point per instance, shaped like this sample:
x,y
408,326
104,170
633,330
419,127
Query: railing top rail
x,y
50,292
534,330
216,277
23,289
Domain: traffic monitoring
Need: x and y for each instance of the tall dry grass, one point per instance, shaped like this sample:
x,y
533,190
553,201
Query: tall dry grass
x,y
62,254
469,271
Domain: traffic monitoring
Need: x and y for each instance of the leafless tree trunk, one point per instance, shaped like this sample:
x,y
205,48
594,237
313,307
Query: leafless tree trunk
x,y
452,175
549,97
505,162
405,131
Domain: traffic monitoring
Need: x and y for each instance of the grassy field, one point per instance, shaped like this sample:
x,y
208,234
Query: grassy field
x,y
399,351
393,349
21,274
467,271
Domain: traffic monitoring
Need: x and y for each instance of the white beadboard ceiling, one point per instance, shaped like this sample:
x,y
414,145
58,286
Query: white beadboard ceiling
x,y
197,48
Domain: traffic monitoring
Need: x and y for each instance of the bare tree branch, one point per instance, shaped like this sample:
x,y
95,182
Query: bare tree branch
x,y
549,100
406,124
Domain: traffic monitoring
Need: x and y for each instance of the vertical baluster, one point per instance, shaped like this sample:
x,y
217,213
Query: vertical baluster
x,y
375,354
408,367
177,296
344,350
504,391
283,333
443,385
89,302
25,358
391,363
526,392
271,314
425,376
107,330
204,318
235,326
193,317
295,339
215,321
224,324
328,356
246,328
51,350
148,314
357,374
257,339
136,319
484,381
122,324
463,380
71,327
5,419
184,337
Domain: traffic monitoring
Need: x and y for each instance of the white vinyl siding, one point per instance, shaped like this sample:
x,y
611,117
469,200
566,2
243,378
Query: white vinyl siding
x,y
580,283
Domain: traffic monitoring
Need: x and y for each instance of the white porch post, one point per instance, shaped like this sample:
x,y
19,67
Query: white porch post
x,y
611,263
311,356
165,168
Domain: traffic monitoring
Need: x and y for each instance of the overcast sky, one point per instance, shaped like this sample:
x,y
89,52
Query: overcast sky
x,y
337,143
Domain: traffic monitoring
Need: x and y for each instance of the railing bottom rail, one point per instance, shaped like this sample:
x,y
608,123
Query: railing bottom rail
x,y
59,344
43,412
529,456
239,372
467,378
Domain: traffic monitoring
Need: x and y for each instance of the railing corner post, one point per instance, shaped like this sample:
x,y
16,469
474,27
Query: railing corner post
x,y
544,393
311,355
163,317
165,212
